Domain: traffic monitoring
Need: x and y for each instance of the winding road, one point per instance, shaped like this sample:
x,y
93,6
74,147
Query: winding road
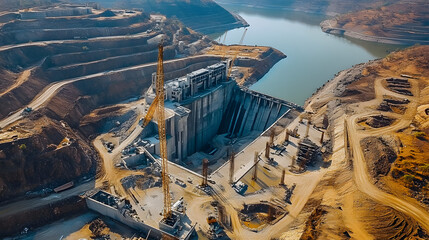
x,y
361,175
53,88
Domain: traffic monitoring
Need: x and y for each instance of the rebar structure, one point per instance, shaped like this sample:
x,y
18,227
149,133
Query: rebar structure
x,y
267,150
287,135
282,180
205,172
255,172
272,133
231,168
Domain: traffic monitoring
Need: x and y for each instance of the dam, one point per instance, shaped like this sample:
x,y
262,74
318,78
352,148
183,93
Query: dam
x,y
207,103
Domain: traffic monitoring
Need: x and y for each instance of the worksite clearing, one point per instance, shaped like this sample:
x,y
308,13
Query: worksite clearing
x,y
160,137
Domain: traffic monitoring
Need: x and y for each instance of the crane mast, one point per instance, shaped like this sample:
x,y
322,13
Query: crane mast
x,y
161,132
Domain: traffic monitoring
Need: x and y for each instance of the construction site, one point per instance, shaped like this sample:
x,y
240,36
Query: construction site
x,y
174,144
186,137
120,124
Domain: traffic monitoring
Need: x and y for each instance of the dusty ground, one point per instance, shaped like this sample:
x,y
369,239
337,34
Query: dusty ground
x,y
248,61
371,193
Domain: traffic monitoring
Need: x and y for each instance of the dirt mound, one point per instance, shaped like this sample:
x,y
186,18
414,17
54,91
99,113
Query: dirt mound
x,y
379,156
386,223
313,223
379,121
107,13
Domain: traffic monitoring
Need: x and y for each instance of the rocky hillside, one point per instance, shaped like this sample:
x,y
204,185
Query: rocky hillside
x,y
377,184
396,22
11,5
48,154
114,54
400,22
204,16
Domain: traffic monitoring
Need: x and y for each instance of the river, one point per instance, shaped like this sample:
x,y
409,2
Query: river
x,y
313,57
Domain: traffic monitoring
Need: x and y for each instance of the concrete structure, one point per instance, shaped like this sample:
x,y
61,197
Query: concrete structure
x,y
252,111
137,159
195,104
120,210
205,103
182,88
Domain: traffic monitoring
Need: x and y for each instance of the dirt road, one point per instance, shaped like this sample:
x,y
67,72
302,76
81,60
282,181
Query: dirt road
x,y
361,175
52,89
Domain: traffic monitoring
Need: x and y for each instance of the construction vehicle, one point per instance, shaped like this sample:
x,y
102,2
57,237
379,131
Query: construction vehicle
x,y
211,220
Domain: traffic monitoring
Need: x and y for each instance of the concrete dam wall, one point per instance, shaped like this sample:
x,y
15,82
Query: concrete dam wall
x,y
205,118
225,108
252,111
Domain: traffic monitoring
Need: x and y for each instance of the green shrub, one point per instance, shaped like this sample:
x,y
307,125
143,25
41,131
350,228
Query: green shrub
x,y
22,146
424,168
408,179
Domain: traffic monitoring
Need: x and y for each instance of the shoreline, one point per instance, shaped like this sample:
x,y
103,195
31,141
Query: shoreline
x,y
328,26
332,14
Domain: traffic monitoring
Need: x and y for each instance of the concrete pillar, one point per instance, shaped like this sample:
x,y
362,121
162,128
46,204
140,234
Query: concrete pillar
x,y
255,172
205,172
293,161
282,180
325,121
231,168
272,133
267,150
287,135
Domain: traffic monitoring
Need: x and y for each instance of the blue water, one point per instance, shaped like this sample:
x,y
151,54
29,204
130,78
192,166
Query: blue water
x,y
313,57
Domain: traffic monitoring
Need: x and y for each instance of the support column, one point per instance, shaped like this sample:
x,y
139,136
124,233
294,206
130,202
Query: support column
x,y
293,161
231,168
205,172
272,133
255,172
321,138
267,150
282,180
287,135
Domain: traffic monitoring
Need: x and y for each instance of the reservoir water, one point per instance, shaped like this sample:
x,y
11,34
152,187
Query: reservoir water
x,y
313,57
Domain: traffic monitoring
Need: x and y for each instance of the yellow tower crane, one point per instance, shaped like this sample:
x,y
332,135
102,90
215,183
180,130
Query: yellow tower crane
x,y
158,107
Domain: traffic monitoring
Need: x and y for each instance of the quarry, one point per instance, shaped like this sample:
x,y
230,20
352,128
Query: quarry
x,y
124,124
209,118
